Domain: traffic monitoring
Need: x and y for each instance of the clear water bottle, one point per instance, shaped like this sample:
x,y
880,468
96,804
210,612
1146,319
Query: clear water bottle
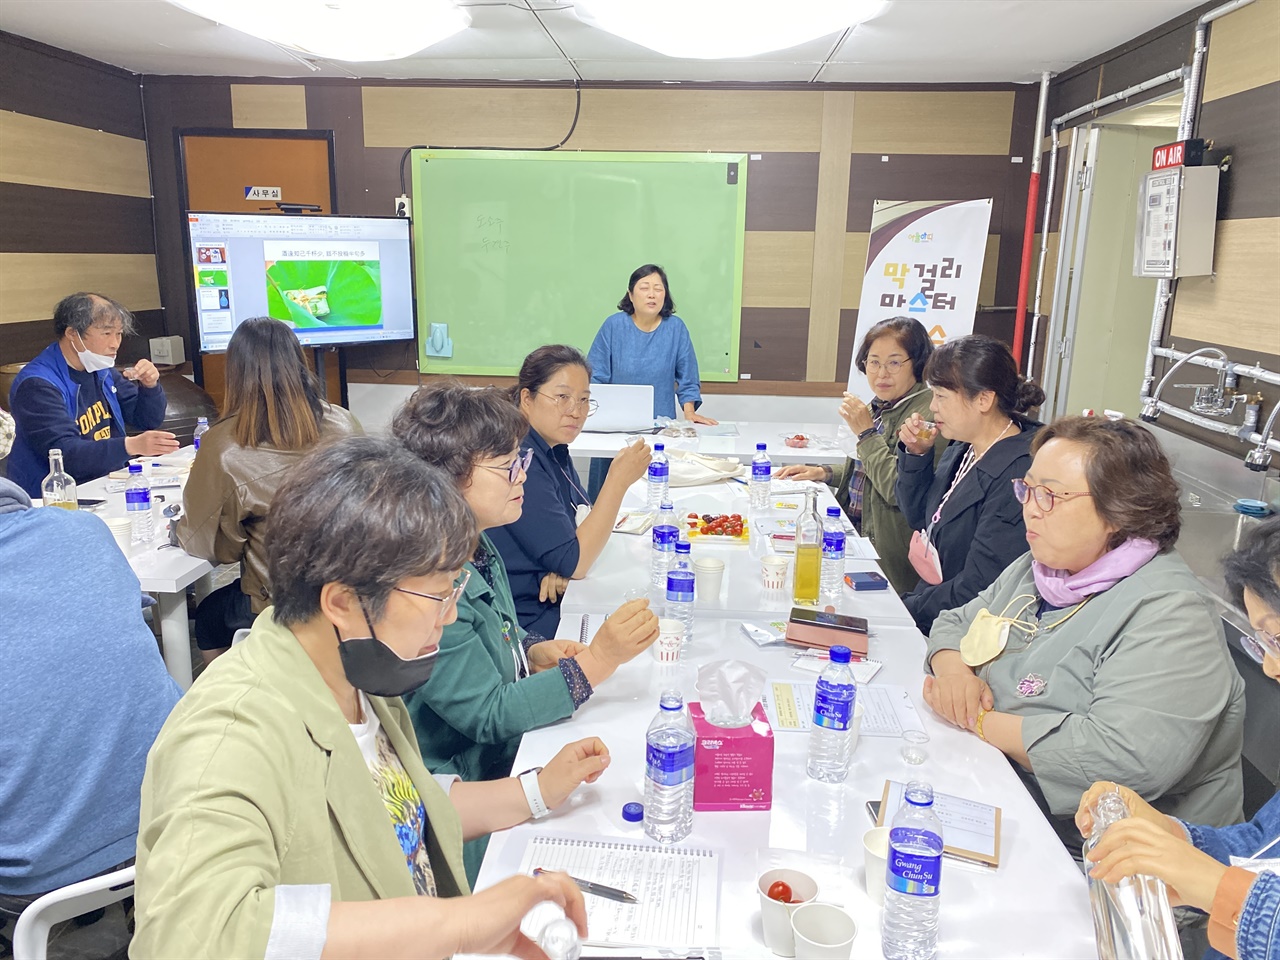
x,y
680,590
761,472
665,537
1132,919
659,477
831,736
137,503
550,929
202,427
832,552
58,489
668,779
909,929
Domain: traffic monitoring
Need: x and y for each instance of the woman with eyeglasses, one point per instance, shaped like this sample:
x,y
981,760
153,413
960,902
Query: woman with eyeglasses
x,y
496,680
893,355
1231,873
286,810
560,534
1098,655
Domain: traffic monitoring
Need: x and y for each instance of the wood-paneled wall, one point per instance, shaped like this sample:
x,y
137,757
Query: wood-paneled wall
x,y
75,194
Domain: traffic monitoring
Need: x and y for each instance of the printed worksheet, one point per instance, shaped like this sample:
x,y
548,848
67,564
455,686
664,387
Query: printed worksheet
x,y
888,709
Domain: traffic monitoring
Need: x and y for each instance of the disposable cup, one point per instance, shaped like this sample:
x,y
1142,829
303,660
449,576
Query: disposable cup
x,y
775,916
666,649
708,575
773,571
822,932
121,531
875,860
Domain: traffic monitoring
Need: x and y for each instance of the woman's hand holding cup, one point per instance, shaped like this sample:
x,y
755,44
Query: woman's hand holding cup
x,y
917,434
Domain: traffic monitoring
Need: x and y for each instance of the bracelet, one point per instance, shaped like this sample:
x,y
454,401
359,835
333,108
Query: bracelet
x,y
867,433
533,793
977,726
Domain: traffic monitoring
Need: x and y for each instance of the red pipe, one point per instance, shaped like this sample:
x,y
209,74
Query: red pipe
x,y
1024,276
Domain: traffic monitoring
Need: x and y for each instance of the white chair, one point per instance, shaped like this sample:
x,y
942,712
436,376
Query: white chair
x,y
31,933
238,636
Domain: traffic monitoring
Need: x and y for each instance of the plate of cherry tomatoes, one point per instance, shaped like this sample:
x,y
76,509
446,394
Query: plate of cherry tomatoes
x,y
725,526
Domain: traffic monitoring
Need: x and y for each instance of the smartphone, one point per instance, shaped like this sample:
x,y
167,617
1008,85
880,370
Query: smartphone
x,y
821,618
89,504
866,581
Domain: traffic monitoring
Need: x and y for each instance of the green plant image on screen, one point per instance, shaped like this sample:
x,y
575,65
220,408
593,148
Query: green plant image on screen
x,y
211,278
325,293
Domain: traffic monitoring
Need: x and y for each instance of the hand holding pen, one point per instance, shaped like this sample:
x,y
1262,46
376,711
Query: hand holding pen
x,y
596,889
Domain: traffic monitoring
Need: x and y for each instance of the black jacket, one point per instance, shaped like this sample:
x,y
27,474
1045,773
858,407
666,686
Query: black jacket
x,y
980,531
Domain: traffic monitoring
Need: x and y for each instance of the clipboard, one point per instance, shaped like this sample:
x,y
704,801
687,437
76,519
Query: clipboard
x,y
988,819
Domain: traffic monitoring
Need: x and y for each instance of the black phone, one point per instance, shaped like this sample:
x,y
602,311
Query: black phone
x,y
873,810
822,618
89,504
866,581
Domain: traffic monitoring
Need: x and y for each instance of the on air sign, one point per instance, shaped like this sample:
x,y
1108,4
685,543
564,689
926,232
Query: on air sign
x,y
1184,153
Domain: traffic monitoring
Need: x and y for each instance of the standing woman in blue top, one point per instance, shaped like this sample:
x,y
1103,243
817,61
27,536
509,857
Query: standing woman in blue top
x,y
645,342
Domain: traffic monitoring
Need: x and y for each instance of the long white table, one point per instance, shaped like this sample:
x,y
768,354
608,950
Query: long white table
x,y
1034,905
164,571
829,448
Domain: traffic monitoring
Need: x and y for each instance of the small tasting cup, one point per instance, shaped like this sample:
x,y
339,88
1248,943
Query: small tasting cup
x,y
875,860
775,916
666,649
773,572
708,575
822,931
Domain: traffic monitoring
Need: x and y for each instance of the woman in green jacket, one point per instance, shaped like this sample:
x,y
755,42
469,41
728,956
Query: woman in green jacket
x,y
892,355
286,811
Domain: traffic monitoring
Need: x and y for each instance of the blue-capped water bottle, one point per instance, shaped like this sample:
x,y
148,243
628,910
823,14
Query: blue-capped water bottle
x,y
761,474
659,477
680,589
909,929
833,538
668,780
831,735
202,427
665,536
137,504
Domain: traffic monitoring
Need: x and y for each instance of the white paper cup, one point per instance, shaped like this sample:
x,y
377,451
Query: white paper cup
x,y
708,575
775,916
822,931
666,649
875,861
773,571
121,530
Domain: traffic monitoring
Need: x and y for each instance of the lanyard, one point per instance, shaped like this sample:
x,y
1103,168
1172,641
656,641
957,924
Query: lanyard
x,y
573,486
971,457
518,655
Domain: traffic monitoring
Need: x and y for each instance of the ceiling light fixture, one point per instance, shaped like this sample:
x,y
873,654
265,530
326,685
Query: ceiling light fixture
x,y
724,29
359,31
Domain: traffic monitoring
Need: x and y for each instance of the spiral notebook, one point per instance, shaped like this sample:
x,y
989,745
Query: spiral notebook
x,y
678,889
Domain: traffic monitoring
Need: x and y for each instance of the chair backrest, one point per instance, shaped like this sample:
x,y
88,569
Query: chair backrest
x,y
31,933
238,636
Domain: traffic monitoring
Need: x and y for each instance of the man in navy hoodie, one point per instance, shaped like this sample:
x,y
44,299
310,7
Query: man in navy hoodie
x,y
70,397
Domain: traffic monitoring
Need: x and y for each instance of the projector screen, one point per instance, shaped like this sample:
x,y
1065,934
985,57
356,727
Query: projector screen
x,y
334,280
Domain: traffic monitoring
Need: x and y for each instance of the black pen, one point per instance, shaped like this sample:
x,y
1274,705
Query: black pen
x,y
598,889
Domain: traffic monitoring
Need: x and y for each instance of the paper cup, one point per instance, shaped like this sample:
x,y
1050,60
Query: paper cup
x,y
773,571
775,916
875,860
822,931
708,575
666,649
121,530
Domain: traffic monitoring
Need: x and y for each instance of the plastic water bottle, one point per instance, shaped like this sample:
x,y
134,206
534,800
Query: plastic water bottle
x,y
202,427
832,552
555,933
831,736
1132,919
761,472
137,503
665,537
680,590
909,930
668,780
659,477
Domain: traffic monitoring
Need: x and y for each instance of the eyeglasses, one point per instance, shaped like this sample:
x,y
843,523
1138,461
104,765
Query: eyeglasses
x,y
889,366
568,404
518,466
447,603
1045,498
1269,642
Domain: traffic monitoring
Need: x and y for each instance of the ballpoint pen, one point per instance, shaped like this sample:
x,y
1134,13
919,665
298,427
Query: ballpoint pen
x,y
598,889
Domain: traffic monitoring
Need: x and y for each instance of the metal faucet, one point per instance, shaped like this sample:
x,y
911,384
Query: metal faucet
x,y
1214,400
1259,458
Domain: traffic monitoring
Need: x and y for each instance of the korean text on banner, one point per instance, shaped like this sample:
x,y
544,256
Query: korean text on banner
x,y
924,261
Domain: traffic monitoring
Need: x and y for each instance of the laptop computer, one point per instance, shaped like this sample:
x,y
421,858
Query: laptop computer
x,y
624,408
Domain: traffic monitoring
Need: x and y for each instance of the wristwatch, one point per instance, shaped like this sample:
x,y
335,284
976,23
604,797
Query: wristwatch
x,y
866,433
533,792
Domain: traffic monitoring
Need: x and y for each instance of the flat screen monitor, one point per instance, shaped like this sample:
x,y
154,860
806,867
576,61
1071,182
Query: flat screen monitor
x,y
334,280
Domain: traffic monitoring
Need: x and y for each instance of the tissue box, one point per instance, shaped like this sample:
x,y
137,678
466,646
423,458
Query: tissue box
x,y
732,766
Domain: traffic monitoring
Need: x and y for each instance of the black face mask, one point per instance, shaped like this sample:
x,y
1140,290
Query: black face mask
x,y
370,665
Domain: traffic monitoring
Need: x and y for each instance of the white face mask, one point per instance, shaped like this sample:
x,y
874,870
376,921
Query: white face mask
x,y
93,362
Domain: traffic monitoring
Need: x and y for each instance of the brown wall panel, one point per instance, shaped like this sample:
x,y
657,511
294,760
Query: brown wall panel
x,y
1247,126
845,348
782,191
1234,307
829,234
935,122
1013,212
219,168
22,341
49,153
34,282
269,106
777,267
43,81
774,343
338,108
46,220
1244,50
924,177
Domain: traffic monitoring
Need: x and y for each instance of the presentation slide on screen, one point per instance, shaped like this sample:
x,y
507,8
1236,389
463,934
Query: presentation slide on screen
x,y
334,280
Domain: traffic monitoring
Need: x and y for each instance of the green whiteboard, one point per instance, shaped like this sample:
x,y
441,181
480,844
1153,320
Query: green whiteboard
x,y
516,249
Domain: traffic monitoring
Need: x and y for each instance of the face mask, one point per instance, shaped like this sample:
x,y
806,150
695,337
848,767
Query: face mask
x,y
93,362
370,665
988,635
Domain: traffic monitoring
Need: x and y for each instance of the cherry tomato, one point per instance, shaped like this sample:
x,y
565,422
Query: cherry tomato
x,y
735,516
780,890
693,516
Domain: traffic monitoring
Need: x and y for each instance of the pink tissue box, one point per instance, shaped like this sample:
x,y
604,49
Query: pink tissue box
x,y
732,767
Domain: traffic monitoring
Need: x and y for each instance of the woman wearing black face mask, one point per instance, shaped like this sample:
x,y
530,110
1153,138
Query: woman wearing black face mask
x,y
285,808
